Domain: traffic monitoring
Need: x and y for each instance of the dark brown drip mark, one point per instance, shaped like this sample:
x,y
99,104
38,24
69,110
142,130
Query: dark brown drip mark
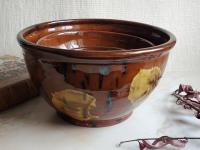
x,y
116,82
87,79
100,81
65,71
83,85
94,124
124,68
119,119
114,93
61,69
74,68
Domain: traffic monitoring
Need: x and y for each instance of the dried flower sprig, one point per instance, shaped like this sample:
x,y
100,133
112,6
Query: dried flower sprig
x,y
188,98
158,143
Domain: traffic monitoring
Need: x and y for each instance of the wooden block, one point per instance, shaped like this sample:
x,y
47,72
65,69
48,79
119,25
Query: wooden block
x,y
15,83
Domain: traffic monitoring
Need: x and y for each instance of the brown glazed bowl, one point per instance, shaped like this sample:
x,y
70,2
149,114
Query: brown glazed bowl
x,y
95,71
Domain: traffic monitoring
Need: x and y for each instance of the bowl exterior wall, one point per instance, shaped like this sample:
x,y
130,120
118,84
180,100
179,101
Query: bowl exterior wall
x,y
94,94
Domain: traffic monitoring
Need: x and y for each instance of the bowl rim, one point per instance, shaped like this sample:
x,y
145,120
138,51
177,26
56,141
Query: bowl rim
x,y
94,54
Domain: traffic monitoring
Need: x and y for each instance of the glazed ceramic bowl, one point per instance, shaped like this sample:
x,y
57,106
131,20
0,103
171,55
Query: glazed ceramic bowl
x,y
95,71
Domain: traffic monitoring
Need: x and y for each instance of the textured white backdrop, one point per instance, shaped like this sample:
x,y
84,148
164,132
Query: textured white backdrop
x,y
182,17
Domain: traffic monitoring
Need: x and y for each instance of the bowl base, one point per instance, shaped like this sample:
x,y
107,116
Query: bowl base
x,y
94,123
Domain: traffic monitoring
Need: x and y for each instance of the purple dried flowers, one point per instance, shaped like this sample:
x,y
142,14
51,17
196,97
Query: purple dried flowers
x,y
161,142
188,98
158,143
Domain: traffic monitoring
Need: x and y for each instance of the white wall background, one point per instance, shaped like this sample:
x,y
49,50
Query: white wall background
x,y
182,17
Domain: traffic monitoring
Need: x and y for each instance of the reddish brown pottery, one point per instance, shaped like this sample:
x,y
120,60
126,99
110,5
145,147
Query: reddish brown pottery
x,y
95,71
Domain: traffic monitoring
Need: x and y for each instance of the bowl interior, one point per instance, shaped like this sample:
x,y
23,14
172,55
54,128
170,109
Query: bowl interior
x,y
95,34
93,40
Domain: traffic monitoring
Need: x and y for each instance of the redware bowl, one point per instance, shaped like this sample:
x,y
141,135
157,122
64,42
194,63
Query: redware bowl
x,y
95,71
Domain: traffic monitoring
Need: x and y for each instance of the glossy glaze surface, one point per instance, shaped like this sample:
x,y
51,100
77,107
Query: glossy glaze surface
x,y
95,71
91,40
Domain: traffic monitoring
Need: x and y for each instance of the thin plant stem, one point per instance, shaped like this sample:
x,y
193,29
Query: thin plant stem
x,y
174,138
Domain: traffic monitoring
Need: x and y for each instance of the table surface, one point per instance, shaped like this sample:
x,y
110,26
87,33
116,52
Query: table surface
x,y
35,126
